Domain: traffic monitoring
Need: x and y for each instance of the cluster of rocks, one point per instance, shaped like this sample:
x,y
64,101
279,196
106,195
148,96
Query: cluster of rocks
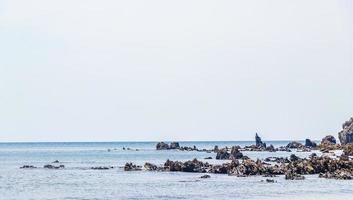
x,y
223,154
175,145
293,168
54,167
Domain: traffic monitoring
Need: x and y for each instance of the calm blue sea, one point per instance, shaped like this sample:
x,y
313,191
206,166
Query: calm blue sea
x,y
78,181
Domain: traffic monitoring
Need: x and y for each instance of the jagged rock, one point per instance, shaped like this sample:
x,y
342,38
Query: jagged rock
x,y
259,142
28,167
309,143
56,161
346,135
132,167
205,176
295,145
329,139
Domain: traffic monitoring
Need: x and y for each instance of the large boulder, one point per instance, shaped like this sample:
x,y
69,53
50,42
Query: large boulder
x,y
162,146
309,143
295,145
259,142
329,139
346,135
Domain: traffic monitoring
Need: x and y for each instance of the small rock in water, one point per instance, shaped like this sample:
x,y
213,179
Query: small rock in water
x,y
101,168
56,161
205,176
54,167
132,167
28,167
207,158
270,180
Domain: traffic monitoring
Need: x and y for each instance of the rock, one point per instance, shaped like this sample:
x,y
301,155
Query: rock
x,y
162,146
309,143
222,154
173,166
346,135
277,159
28,167
132,167
54,167
338,174
101,168
215,149
290,175
56,161
259,142
295,145
294,158
235,153
271,148
150,167
348,150
329,139
208,158
270,181
205,176
174,145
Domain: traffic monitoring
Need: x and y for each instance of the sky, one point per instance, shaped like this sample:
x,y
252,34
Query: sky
x,y
136,70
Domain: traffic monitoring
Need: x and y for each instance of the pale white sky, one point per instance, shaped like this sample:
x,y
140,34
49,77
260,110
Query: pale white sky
x,y
89,70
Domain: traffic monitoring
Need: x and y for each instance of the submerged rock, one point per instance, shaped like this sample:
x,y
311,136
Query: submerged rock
x,y
346,135
28,167
54,167
101,168
290,175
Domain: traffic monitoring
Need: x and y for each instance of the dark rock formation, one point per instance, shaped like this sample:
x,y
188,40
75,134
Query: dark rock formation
x,y
259,142
150,167
208,158
174,145
54,167
295,145
205,176
329,139
222,154
162,146
132,167
235,153
309,143
28,167
101,168
346,135
56,161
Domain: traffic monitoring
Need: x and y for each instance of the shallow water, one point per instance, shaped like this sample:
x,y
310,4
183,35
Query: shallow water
x,y
77,181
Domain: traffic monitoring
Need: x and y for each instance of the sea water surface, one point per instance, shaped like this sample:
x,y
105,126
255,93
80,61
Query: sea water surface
x,y
78,181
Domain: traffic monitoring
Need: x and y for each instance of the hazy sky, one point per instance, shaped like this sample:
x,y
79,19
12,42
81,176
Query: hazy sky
x,y
88,70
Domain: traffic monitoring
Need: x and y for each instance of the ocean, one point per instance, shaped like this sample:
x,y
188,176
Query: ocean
x,y
78,181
